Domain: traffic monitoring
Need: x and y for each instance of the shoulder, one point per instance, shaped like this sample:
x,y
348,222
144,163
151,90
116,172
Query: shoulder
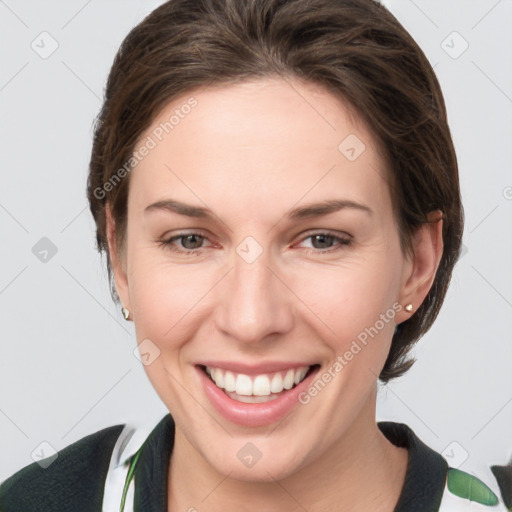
x,y
74,480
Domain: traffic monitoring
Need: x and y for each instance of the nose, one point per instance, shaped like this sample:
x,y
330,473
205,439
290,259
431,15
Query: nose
x,y
255,302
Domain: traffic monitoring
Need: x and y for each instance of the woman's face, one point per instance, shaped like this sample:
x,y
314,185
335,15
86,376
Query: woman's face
x,y
237,260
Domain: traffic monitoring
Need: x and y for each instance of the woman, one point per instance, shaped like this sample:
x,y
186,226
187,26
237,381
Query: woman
x,y
276,191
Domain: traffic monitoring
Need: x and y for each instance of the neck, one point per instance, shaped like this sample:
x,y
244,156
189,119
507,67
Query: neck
x,y
363,471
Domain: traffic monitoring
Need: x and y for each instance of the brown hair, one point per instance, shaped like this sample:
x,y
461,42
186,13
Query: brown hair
x,y
355,49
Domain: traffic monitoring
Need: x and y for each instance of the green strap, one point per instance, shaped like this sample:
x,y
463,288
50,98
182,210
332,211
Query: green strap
x,y
129,476
467,486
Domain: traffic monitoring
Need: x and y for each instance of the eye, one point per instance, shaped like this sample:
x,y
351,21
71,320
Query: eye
x,y
327,242
190,243
193,241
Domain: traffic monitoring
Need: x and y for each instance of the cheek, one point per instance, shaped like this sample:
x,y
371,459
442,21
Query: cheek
x,y
166,302
165,297
353,302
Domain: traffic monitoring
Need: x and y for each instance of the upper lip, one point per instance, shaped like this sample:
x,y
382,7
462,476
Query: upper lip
x,y
255,369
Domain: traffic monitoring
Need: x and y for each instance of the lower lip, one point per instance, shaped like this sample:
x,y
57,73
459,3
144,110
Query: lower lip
x,y
253,415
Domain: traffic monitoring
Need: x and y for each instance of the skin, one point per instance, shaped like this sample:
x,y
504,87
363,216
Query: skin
x,y
251,152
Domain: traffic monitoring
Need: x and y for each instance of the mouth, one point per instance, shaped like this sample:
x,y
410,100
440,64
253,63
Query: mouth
x,y
255,396
260,388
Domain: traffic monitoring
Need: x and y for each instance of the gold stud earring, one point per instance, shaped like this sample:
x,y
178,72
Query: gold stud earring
x,y
125,313
408,308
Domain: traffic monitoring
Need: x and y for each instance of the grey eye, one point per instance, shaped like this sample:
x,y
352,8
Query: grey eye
x,y
324,241
191,241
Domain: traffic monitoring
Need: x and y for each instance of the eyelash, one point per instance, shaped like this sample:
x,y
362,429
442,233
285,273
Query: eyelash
x,y
167,243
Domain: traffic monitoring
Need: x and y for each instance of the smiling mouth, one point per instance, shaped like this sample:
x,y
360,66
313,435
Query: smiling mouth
x,y
258,388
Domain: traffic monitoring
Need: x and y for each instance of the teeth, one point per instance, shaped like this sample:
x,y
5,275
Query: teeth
x,y
259,386
289,380
276,385
243,385
252,399
218,377
300,375
229,382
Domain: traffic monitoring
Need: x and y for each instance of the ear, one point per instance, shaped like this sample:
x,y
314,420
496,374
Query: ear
x,y
420,270
117,260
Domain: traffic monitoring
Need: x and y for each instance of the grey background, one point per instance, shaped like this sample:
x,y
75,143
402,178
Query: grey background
x,y
67,364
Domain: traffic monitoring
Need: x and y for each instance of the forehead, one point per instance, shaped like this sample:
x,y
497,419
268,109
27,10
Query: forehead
x,y
259,143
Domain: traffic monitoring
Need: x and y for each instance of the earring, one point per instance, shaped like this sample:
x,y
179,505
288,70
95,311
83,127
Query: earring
x,y
408,308
125,313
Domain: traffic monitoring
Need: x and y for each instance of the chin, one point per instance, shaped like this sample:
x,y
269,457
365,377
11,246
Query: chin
x,y
256,460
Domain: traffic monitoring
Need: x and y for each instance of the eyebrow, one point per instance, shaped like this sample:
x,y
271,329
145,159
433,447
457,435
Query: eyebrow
x,y
302,212
326,207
